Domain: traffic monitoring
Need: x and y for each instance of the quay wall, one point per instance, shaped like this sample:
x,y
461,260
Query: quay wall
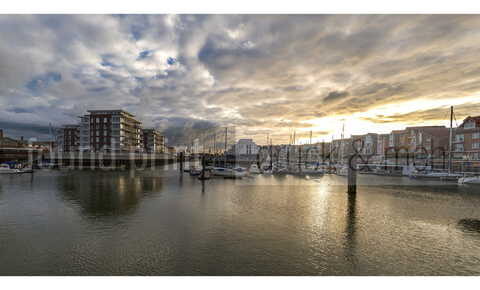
x,y
94,160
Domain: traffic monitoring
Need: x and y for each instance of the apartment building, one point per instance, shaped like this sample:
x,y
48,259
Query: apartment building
x,y
383,142
397,139
111,130
341,149
427,141
365,144
466,142
245,147
68,138
153,141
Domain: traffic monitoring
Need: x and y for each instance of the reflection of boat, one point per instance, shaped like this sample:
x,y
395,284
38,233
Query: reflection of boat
x,y
267,171
312,170
46,165
470,225
237,172
5,169
26,170
469,180
111,168
194,171
207,174
341,170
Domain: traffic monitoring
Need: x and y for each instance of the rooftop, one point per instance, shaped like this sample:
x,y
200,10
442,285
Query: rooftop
x,y
119,111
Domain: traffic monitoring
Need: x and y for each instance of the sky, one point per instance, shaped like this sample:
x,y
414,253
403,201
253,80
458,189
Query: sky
x,y
262,74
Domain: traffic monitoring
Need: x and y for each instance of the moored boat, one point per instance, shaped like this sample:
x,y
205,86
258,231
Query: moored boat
x,y
469,180
435,175
237,172
5,169
254,169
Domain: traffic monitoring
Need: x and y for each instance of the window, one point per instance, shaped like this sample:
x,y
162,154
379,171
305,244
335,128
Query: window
x,y
476,156
476,135
458,148
459,138
469,125
476,145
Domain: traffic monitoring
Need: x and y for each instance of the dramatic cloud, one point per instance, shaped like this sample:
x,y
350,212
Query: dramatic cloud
x,y
260,73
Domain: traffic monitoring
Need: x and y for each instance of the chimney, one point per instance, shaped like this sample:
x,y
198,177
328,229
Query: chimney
x,y
1,133
21,138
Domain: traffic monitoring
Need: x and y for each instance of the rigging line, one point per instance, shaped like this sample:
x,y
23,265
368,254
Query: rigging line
x,y
455,118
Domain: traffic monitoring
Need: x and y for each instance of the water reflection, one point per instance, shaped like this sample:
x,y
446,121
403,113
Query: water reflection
x,y
159,223
350,231
100,193
469,225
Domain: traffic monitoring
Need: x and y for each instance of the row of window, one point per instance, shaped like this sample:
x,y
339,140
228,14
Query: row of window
x,y
461,148
461,137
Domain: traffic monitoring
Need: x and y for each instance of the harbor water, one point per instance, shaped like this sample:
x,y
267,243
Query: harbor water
x,y
157,222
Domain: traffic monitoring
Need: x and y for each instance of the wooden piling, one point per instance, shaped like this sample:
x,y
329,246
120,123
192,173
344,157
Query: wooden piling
x,y
182,160
352,175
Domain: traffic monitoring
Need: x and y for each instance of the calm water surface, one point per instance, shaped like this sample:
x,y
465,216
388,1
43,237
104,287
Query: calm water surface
x,y
154,222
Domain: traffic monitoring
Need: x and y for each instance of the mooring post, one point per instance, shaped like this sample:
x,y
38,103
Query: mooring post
x,y
181,161
203,167
352,174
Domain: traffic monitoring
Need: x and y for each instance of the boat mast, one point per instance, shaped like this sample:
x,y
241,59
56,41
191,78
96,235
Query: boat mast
x,y
342,142
214,148
450,141
226,133
271,156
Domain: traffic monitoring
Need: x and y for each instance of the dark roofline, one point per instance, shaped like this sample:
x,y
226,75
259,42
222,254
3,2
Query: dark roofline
x,y
111,111
469,118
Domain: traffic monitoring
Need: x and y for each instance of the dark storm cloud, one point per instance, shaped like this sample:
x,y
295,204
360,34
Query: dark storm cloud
x,y
27,130
335,96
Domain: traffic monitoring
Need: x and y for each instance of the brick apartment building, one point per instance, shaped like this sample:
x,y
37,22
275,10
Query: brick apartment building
x,y
68,138
428,141
423,141
109,131
466,142
153,141
383,142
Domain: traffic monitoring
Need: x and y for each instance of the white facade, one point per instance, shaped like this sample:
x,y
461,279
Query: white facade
x,y
246,147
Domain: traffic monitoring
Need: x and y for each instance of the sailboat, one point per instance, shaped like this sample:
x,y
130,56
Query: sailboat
x,y
341,168
445,175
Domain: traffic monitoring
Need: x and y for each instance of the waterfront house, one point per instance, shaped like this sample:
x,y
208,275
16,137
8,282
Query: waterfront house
x,y
466,142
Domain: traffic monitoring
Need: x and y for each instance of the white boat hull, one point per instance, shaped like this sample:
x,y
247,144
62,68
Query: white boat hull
x,y
469,180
